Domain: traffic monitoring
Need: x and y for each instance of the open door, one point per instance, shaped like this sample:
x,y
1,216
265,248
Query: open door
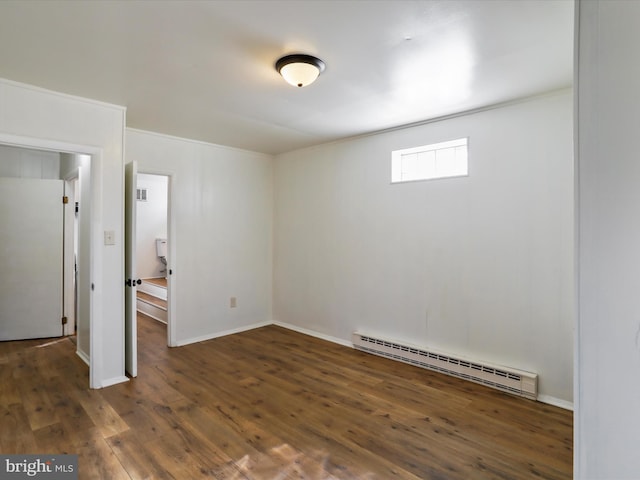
x,y
131,281
31,212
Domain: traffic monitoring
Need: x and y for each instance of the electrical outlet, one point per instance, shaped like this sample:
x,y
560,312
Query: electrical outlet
x,y
109,237
233,303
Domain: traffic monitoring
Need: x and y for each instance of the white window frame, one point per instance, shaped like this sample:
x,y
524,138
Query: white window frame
x,y
403,160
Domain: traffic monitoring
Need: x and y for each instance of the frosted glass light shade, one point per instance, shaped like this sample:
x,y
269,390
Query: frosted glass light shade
x,y
299,70
299,74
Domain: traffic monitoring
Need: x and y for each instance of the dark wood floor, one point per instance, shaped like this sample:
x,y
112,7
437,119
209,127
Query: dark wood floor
x,y
272,404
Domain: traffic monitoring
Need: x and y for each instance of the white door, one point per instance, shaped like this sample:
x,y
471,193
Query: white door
x,y
131,280
31,218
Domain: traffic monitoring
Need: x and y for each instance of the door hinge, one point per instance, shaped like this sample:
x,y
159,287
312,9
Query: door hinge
x,y
65,199
64,320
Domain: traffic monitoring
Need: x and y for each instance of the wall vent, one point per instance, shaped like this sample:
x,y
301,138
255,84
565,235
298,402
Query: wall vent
x,y
508,380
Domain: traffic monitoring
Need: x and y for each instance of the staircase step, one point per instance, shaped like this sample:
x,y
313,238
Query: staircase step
x,y
153,300
160,282
152,311
151,287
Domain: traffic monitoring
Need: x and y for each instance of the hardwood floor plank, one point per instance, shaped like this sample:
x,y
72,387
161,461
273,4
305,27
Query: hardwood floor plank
x,y
136,458
325,384
272,403
16,435
210,425
54,439
126,397
96,459
281,462
328,415
36,402
73,417
103,415
444,420
9,392
262,404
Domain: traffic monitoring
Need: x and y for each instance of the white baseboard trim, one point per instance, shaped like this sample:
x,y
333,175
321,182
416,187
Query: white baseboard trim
x,y
113,381
203,338
83,356
556,402
312,333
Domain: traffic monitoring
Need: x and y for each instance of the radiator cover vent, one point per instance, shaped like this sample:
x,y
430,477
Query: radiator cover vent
x,y
508,380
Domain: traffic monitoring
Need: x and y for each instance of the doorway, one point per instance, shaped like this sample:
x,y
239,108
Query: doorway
x,y
152,203
151,200
52,260
89,158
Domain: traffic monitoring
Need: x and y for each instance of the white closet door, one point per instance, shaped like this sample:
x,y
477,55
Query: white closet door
x,y
31,217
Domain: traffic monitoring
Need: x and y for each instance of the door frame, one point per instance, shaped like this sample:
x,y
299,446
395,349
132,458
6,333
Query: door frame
x,y
69,265
95,260
171,252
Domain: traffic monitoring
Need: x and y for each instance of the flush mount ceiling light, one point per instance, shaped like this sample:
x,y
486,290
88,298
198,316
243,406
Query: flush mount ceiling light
x,y
300,70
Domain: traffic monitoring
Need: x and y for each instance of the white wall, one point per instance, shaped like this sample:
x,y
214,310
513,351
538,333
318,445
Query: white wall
x,y
479,266
31,116
608,359
221,211
25,163
151,223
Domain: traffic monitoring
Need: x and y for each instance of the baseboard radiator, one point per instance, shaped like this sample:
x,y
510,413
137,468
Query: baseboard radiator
x,y
509,380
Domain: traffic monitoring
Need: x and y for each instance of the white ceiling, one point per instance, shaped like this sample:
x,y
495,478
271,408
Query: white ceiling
x,y
205,69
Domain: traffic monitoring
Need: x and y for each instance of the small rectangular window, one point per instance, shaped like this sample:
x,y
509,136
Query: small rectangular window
x,y
438,160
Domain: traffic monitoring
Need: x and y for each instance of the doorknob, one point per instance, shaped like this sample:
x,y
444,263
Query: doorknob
x,y
132,283
138,282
